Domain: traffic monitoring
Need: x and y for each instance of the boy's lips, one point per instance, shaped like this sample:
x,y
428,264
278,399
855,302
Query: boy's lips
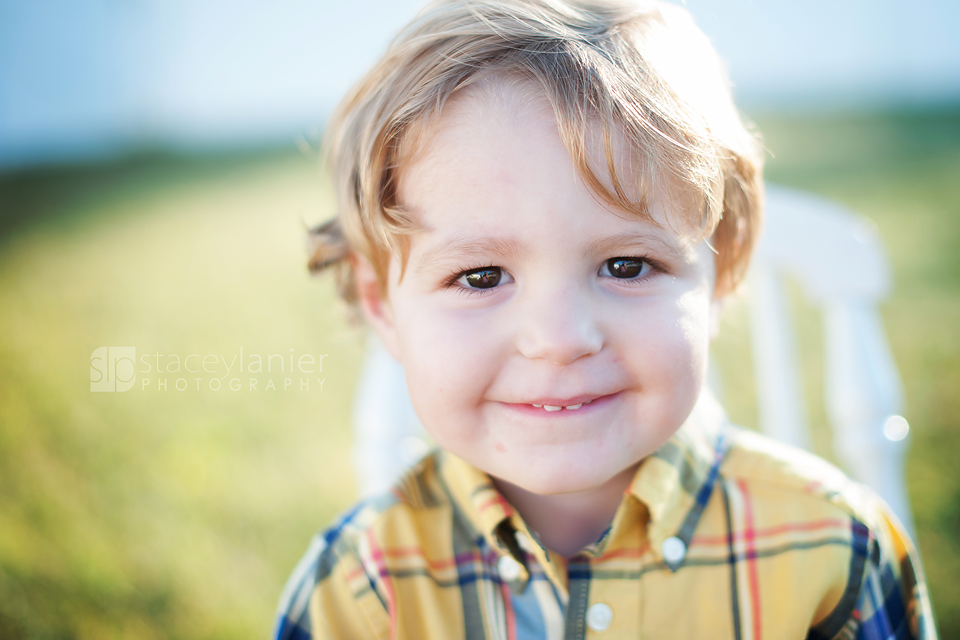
x,y
554,404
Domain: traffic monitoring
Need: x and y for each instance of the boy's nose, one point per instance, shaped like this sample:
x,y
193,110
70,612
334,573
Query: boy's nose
x,y
560,328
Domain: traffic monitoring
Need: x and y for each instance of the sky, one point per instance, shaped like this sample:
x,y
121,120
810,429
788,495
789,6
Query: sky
x,y
81,79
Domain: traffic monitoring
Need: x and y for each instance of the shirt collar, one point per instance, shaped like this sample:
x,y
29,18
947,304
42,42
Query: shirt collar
x,y
676,480
673,483
474,493
495,519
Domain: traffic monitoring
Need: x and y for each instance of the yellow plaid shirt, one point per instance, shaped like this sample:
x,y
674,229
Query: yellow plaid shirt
x,y
721,534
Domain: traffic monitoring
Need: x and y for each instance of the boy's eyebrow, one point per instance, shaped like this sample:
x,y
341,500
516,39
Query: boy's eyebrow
x,y
460,247
652,241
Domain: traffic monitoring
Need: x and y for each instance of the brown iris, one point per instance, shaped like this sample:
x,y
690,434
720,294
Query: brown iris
x,y
485,278
624,267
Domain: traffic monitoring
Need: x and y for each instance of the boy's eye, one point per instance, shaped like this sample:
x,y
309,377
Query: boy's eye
x,y
624,268
485,278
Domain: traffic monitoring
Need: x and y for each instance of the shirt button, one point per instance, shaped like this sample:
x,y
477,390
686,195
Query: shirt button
x,y
599,616
508,568
673,549
524,542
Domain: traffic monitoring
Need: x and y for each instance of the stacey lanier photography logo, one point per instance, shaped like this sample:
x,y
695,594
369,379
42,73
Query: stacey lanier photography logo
x,y
113,368
118,369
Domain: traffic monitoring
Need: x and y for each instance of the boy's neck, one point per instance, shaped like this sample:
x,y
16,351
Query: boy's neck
x,y
568,522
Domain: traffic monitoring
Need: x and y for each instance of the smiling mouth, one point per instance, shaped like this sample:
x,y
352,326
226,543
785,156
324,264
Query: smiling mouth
x,y
550,407
560,404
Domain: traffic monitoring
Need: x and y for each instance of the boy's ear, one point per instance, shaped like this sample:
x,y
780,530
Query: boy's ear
x,y
374,304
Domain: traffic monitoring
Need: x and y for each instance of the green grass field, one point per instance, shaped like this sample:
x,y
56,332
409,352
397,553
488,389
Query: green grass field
x,y
178,514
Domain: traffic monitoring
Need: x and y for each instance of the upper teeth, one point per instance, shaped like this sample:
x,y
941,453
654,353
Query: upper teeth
x,y
548,407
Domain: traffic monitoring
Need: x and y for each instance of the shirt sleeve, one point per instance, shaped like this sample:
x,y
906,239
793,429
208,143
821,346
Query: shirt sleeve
x,y
319,603
891,601
293,613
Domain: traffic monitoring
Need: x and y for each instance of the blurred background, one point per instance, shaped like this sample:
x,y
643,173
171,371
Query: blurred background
x,y
158,163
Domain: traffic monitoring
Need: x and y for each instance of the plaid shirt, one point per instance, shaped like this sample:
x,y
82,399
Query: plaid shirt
x,y
721,534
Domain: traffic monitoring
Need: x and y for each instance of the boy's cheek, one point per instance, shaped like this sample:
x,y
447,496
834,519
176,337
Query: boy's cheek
x,y
716,311
672,349
439,357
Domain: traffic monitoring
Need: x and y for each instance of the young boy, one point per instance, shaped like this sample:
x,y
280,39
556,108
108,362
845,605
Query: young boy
x,y
542,204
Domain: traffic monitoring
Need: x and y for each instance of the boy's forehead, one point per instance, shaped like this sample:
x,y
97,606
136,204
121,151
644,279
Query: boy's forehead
x,y
467,115
497,106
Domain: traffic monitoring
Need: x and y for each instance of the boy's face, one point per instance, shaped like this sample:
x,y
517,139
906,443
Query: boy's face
x,y
523,292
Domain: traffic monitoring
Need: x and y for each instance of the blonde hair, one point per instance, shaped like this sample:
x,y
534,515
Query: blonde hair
x,y
640,71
